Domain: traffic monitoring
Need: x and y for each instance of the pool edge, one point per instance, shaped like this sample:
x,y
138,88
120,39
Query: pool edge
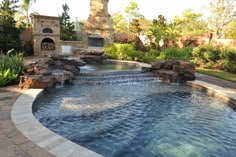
x,y
226,94
24,120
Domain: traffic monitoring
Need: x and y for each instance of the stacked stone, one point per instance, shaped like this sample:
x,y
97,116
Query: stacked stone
x,y
50,70
174,70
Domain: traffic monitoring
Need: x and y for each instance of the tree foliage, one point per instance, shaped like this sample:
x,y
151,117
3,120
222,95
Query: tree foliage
x,y
221,14
163,33
135,28
132,12
9,34
67,27
191,23
230,31
119,24
25,6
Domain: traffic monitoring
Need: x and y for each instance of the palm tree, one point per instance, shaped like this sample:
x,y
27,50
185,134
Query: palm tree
x,y
25,5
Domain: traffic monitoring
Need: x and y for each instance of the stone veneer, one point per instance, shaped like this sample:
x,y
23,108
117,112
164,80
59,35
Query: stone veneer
x,y
41,30
98,22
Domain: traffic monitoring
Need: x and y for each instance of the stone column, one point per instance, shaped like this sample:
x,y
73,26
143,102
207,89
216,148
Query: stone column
x,y
98,21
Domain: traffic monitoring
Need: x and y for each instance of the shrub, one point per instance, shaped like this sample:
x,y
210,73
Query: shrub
x,y
168,53
198,61
122,52
208,53
186,53
212,55
111,51
133,55
154,52
230,66
199,52
10,68
28,48
148,59
208,65
175,53
228,53
8,77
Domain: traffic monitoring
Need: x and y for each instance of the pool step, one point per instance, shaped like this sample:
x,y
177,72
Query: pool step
x,y
115,77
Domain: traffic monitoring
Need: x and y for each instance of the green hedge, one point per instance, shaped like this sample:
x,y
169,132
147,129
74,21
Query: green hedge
x,y
215,57
206,56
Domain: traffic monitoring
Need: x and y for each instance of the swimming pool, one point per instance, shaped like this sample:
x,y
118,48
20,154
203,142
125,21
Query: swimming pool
x,y
150,119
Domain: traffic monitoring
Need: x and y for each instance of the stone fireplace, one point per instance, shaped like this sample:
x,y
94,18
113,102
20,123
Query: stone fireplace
x,y
46,34
98,25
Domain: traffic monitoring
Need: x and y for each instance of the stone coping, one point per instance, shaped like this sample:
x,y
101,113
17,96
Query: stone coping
x,y
24,120
27,124
226,94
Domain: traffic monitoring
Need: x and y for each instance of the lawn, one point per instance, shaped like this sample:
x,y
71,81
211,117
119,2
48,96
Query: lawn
x,y
217,73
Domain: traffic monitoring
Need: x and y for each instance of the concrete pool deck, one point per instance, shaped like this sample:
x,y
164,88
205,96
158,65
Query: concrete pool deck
x,y
17,139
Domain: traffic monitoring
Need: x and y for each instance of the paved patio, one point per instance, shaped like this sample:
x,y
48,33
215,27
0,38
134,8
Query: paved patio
x,y
14,144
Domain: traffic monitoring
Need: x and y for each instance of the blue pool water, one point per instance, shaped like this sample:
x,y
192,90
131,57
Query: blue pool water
x,y
146,119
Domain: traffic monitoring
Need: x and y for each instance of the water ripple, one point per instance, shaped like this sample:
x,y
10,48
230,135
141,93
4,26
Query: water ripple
x,y
143,120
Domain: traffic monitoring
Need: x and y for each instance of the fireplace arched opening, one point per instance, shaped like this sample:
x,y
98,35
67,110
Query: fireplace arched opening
x,y
48,44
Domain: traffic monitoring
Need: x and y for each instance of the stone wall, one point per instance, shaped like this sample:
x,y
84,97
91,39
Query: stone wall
x,y
74,45
203,40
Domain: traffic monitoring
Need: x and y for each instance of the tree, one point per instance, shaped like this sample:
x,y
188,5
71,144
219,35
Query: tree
x,y
67,27
163,32
190,23
230,32
25,6
172,33
9,34
119,24
135,29
132,12
145,25
221,14
157,30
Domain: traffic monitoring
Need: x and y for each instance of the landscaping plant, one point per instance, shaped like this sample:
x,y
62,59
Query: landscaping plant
x,y
10,68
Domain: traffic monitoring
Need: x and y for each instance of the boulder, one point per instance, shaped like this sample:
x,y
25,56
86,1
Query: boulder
x,y
92,58
35,81
174,70
73,61
49,70
167,75
168,65
190,67
75,70
157,65
91,52
187,76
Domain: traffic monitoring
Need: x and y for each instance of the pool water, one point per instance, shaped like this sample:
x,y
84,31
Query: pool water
x,y
108,67
147,119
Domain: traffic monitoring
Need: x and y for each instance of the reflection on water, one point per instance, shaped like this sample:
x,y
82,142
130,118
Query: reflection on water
x,y
147,119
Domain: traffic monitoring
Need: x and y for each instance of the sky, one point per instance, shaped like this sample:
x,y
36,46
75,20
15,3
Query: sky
x,y
149,8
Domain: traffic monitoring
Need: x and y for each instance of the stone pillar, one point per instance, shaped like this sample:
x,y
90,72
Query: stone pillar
x,y
98,21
